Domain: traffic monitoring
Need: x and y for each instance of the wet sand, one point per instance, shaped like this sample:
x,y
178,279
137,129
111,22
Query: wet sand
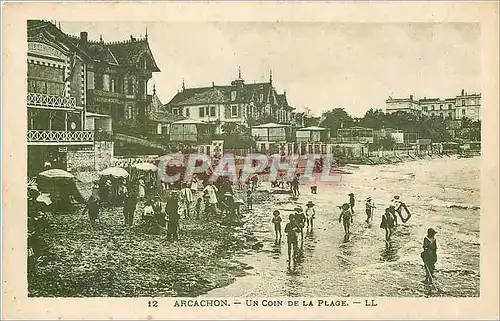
x,y
440,193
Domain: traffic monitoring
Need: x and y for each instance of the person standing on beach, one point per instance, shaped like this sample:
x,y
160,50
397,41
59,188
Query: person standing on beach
x,y
186,200
346,217
370,206
211,192
277,225
300,220
249,200
310,213
129,205
429,255
295,186
398,207
291,230
172,210
142,188
92,208
352,202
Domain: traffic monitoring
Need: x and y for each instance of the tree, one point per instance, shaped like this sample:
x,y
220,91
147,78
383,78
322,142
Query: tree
x,y
335,119
386,143
236,136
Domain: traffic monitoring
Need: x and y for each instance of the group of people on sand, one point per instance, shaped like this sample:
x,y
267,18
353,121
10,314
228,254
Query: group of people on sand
x,y
164,206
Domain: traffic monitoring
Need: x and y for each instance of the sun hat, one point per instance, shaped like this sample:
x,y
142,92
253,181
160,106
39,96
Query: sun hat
x,y
368,198
345,206
298,209
431,231
310,204
350,194
276,213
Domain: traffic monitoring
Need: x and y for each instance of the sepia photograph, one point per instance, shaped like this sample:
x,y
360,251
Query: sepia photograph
x,y
216,162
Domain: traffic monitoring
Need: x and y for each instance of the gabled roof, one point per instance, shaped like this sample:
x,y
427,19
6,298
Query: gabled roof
x,y
129,52
211,95
164,117
245,93
125,53
47,32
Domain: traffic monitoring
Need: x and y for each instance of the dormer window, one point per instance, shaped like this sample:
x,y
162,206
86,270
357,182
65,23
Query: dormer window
x,y
233,95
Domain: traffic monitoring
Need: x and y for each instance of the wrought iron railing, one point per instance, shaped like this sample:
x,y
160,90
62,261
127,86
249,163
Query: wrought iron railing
x,y
60,136
44,100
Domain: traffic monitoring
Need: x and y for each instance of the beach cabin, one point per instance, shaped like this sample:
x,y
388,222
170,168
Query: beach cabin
x,y
313,139
272,138
354,135
190,131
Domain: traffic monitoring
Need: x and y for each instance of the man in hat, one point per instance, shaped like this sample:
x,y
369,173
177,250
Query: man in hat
x,y
429,255
310,213
346,217
370,205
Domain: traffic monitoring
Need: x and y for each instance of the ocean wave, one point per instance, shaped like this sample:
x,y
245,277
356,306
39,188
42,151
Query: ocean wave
x,y
451,204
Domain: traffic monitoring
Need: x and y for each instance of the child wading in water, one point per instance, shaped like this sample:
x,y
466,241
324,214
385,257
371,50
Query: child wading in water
x,y
277,225
291,230
370,205
346,217
310,212
352,202
388,222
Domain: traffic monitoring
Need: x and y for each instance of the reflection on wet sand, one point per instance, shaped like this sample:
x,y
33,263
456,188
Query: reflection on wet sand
x,y
390,252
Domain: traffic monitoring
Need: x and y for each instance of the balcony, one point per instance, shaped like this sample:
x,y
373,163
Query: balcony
x,y
56,137
105,96
44,100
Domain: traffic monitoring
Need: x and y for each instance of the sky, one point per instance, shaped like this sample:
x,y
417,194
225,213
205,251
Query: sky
x,y
355,66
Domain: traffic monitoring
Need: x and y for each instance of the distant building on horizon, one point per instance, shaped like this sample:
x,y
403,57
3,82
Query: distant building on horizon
x,y
465,105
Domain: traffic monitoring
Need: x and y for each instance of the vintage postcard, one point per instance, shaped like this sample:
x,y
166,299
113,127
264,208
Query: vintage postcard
x,y
244,160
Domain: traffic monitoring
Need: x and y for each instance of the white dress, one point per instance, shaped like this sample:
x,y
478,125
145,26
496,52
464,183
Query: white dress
x,y
212,196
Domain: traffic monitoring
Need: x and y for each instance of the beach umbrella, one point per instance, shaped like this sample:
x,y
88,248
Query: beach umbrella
x,y
56,174
116,172
148,167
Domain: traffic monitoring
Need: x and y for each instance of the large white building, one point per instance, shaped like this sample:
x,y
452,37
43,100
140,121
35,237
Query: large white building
x,y
466,105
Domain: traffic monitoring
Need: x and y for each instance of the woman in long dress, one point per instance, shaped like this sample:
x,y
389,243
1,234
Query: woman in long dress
x,y
142,188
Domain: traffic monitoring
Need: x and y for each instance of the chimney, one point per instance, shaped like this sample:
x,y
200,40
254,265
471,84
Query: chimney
x,y
411,97
213,84
83,37
463,91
